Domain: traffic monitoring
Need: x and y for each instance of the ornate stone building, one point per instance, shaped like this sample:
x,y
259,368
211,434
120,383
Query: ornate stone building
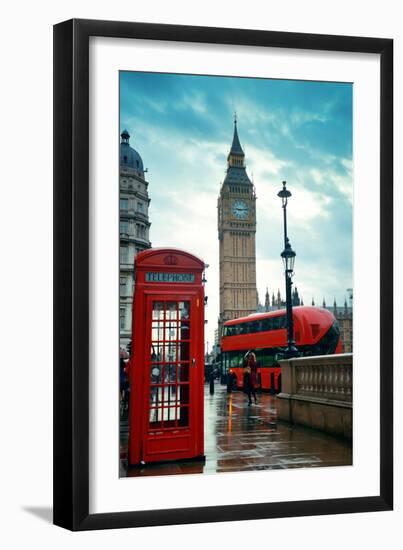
x,y
134,228
236,234
279,302
344,316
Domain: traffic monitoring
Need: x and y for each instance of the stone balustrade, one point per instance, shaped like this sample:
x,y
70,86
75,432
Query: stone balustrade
x,y
317,392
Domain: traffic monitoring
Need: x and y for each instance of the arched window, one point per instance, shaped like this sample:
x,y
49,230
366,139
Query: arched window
x,y
122,318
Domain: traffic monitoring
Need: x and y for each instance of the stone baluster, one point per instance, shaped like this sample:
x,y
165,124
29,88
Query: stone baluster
x,y
342,380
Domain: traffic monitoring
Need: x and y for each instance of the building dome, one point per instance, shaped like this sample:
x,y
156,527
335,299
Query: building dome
x,y
129,157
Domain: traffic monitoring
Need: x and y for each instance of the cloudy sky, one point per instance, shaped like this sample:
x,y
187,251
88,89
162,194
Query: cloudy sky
x,y
301,132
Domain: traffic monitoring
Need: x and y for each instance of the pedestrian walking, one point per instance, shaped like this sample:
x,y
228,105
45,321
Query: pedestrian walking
x,y
248,386
124,385
252,363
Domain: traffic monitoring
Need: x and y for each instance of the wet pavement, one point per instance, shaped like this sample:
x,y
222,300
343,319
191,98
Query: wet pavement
x,y
238,437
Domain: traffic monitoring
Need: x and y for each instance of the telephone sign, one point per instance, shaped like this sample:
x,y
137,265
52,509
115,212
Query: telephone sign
x,y
161,277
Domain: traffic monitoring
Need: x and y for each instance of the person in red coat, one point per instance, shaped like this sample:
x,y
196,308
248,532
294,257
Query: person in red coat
x,y
252,363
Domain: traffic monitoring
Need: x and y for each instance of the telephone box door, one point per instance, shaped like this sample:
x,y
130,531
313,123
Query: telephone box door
x,y
172,423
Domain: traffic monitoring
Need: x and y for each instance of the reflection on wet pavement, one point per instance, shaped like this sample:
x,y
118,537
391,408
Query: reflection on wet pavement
x,y
238,437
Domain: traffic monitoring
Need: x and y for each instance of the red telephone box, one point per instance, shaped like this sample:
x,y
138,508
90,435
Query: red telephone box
x,y
166,372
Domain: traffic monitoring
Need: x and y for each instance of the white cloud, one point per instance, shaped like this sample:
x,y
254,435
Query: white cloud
x,y
330,178
249,111
262,162
302,117
195,101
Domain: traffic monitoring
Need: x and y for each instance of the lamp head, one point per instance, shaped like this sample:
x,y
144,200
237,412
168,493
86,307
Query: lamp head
x,y
284,193
288,256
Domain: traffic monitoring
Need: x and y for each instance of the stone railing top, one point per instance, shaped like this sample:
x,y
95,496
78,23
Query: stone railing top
x,y
328,359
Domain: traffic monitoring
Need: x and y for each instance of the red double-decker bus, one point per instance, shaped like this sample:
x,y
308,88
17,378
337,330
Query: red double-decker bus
x,y
316,332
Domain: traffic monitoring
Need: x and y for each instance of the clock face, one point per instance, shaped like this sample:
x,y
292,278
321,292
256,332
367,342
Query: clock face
x,y
240,209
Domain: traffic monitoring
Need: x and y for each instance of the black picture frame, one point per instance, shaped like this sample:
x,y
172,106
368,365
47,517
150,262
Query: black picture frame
x,y
71,274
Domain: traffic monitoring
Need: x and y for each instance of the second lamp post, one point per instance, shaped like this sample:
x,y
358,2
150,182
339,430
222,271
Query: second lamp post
x,y
288,256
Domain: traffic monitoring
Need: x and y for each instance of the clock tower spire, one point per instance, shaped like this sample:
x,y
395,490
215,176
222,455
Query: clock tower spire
x,y
236,156
236,234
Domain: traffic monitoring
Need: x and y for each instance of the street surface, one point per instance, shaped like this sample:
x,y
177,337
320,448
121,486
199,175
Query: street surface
x,y
238,437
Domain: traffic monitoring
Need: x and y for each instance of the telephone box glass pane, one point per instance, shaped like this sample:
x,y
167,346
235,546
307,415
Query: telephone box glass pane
x,y
168,395
155,396
172,395
156,374
184,331
158,310
184,395
170,374
156,353
171,311
183,351
155,417
183,416
157,332
169,414
171,331
183,372
170,352
184,310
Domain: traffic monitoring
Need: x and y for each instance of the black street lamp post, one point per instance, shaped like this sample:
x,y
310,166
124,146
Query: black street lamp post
x,y
288,256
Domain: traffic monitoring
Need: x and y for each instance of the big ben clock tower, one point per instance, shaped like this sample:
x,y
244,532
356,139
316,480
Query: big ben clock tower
x,y
236,233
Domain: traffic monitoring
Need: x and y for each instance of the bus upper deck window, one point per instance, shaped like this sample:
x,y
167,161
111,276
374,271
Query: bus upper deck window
x,y
283,321
276,323
266,324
